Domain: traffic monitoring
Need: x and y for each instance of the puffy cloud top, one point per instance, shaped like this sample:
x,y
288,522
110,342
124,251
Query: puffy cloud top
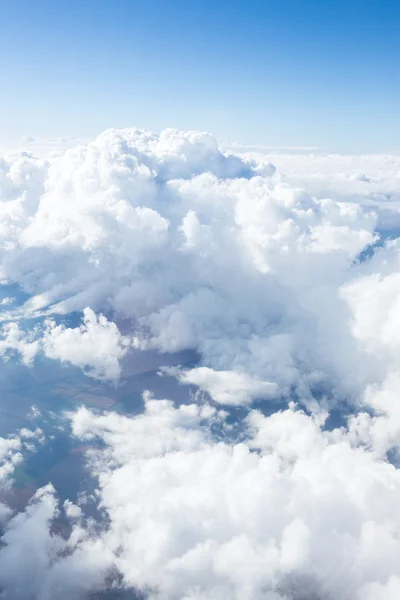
x,y
137,241
197,248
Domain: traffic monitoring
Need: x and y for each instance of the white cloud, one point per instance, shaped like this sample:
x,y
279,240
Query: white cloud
x,y
37,563
16,340
289,511
12,449
73,511
10,456
196,248
96,346
374,300
164,242
227,387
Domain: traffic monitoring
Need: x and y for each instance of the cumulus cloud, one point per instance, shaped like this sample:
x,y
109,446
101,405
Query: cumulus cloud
x,y
374,300
225,387
96,345
12,448
291,511
38,563
197,248
9,455
13,339
285,285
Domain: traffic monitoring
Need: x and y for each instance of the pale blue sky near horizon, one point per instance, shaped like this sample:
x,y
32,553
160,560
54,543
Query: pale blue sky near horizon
x,y
281,73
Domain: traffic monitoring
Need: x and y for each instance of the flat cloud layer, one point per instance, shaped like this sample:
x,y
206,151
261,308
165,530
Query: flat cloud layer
x,y
142,242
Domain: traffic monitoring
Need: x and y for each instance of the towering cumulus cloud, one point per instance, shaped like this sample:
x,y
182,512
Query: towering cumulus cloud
x,y
196,248
139,242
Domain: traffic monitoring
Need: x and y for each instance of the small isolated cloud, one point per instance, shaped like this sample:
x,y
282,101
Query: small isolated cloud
x,y
228,387
96,346
12,449
73,511
10,456
15,340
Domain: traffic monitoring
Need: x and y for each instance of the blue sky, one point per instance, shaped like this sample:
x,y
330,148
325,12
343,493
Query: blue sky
x,y
282,72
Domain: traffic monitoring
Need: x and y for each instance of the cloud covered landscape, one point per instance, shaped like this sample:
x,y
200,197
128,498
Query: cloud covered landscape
x,y
272,474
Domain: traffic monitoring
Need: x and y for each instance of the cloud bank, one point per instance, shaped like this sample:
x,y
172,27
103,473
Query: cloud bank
x,y
136,242
195,249
291,511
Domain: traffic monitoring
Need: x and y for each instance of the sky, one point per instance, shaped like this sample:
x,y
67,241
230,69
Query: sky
x,y
199,300
287,73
